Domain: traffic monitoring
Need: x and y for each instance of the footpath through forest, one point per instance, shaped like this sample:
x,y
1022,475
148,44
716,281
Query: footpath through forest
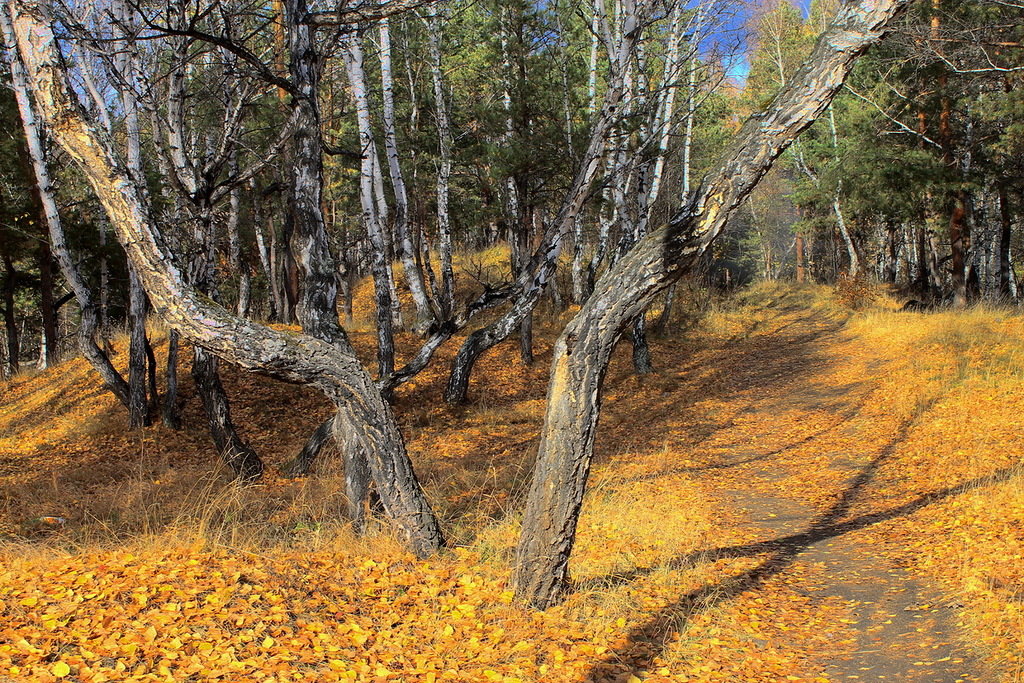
x,y
797,493
793,464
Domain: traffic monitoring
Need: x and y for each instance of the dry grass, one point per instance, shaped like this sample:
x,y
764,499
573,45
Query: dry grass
x,y
646,537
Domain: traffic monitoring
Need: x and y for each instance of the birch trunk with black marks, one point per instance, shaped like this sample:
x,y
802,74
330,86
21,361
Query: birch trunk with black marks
x,y
583,350
238,264
138,415
444,170
403,235
327,365
48,352
90,312
380,265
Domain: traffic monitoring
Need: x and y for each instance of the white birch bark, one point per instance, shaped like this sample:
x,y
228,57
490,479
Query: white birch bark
x,y
444,170
403,236
380,265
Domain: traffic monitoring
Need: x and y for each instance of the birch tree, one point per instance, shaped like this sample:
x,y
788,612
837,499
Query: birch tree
x,y
583,350
325,361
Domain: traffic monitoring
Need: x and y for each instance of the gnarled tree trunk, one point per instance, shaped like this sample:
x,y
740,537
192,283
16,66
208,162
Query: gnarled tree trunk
x,y
584,348
329,366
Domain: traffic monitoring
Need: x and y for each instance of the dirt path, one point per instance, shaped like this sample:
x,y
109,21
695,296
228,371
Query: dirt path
x,y
796,491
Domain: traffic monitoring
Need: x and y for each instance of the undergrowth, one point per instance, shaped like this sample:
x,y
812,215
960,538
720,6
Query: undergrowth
x,y
153,526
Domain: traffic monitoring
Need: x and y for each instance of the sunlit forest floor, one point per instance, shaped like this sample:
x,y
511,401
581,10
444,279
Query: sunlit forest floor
x,y
799,492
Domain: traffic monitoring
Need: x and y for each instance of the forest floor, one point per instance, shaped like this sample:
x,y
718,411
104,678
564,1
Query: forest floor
x,y
799,492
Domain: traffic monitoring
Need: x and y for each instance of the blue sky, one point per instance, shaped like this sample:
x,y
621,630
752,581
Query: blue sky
x,y
737,66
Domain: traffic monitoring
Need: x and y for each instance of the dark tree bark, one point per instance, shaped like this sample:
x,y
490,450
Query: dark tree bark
x,y
10,315
235,452
330,367
138,409
47,309
171,412
642,363
1005,223
583,350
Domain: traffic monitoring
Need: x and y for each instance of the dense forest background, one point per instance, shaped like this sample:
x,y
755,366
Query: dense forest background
x,y
610,341
912,176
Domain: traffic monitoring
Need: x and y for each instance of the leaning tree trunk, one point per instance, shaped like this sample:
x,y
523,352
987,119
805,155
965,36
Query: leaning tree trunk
x,y
584,348
299,358
235,452
90,312
171,413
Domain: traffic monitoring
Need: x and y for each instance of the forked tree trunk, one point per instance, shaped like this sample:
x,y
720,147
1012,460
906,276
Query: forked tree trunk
x,y
328,366
583,350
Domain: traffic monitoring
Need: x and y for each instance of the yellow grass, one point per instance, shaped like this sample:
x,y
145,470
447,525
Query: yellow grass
x,y
268,582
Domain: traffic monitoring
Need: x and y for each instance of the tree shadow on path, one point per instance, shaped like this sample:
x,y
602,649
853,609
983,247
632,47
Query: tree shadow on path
x,y
645,642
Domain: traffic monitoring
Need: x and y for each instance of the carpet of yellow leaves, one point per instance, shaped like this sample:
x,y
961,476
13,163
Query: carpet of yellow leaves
x,y
164,571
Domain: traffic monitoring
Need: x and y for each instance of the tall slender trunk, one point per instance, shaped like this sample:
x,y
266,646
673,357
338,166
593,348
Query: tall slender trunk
x,y
582,352
49,352
137,404
171,412
801,263
10,316
238,264
403,235
380,265
1005,224
138,407
444,170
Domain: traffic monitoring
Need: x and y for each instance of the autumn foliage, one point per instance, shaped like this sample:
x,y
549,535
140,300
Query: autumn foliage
x,y
892,436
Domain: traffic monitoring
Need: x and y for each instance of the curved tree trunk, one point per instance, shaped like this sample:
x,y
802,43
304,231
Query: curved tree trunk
x,y
90,312
584,348
329,367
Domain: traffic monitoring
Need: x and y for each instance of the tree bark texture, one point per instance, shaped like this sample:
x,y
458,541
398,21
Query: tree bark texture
x,y
90,312
235,452
298,358
582,351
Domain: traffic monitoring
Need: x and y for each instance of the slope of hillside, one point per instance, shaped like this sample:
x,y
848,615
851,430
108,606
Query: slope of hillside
x,y
797,493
